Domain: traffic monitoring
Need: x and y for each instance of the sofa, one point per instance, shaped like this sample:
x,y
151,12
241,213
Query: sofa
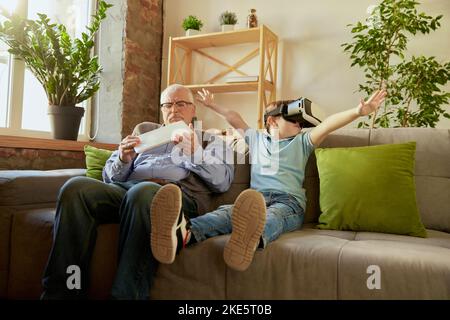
x,y
308,263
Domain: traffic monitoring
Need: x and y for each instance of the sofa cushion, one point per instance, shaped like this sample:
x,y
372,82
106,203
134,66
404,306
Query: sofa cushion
x,y
432,170
5,231
28,260
21,187
328,264
339,138
298,265
200,266
369,188
434,238
406,270
95,161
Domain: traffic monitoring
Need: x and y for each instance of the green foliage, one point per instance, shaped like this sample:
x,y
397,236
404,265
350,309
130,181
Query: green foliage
x,y
192,22
414,85
64,66
228,18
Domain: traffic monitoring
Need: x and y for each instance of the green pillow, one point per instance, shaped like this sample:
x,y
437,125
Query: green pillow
x,y
95,161
369,189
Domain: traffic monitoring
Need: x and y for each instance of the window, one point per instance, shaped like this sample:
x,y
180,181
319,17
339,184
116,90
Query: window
x,y
23,102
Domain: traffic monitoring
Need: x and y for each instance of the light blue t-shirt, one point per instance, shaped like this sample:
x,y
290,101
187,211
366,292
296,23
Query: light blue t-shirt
x,y
279,164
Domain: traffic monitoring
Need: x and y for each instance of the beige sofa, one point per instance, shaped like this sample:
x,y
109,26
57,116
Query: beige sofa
x,y
304,264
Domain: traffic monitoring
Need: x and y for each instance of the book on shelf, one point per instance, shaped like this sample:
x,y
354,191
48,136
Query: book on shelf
x,y
242,79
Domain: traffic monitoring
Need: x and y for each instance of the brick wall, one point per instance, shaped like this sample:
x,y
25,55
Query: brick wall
x,y
33,159
142,69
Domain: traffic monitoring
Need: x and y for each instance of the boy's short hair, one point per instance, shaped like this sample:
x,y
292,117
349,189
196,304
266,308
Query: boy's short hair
x,y
273,105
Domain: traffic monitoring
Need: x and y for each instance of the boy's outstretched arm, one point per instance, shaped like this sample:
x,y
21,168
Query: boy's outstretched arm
x,y
340,119
232,117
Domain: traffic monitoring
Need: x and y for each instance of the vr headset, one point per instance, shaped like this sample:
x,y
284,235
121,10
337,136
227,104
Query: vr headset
x,y
297,111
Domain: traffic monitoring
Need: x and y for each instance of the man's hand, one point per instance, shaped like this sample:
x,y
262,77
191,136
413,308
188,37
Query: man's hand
x,y
126,148
373,103
206,98
187,141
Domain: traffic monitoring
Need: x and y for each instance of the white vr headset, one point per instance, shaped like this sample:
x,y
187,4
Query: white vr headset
x,y
299,111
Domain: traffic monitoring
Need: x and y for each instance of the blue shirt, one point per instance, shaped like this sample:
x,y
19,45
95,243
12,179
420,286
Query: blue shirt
x,y
279,164
160,163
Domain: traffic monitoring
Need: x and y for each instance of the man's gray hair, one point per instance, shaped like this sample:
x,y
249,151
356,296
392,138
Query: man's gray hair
x,y
173,88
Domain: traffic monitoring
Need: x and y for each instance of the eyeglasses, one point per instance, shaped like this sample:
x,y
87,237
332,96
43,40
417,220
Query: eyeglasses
x,y
180,104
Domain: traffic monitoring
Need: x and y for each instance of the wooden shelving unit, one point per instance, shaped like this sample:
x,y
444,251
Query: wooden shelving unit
x,y
180,70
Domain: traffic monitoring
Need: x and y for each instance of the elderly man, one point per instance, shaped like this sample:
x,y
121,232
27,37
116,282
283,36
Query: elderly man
x,y
130,182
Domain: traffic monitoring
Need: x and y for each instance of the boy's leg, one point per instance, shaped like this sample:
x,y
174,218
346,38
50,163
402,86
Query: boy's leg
x,y
284,214
248,220
170,212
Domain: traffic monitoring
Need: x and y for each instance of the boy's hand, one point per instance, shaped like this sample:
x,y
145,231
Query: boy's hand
x,y
205,97
373,103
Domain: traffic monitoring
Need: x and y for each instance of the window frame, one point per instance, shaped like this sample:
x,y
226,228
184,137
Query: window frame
x,y
16,84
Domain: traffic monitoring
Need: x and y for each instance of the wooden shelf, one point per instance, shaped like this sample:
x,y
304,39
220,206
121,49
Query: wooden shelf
x,y
219,39
230,87
265,50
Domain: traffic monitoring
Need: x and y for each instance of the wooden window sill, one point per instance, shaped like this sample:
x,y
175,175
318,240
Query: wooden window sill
x,y
50,144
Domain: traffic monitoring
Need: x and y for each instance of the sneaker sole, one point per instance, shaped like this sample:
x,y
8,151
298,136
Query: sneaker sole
x,y
248,220
164,214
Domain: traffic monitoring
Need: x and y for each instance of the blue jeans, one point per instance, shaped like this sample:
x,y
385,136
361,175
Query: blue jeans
x,y
283,214
85,203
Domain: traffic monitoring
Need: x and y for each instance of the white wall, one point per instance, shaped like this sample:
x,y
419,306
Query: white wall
x,y
311,61
106,121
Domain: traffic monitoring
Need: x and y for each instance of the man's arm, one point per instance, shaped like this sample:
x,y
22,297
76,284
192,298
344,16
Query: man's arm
x,y
211,165
232,117
115,169
340,119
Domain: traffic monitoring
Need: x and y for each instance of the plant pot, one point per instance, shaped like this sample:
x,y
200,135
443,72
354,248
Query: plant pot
x,y
192,32
227,27
65,121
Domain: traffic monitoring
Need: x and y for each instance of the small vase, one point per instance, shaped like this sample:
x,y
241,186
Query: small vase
x,y
227,27
192,32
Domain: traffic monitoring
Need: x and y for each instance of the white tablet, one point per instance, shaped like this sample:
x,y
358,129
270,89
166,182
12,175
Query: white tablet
x,y
160,136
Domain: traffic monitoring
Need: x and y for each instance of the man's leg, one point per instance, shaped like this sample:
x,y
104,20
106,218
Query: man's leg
x,y
136,265
83,203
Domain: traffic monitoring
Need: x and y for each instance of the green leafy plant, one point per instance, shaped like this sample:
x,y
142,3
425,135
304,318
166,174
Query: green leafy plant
x,y
228,18
192,22
64,66
414,85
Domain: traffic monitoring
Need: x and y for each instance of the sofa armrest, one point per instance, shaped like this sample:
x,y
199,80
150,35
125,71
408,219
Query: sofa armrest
x,y
33,187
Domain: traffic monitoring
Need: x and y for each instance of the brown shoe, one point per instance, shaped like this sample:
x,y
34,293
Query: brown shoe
x,y
170,229
248,221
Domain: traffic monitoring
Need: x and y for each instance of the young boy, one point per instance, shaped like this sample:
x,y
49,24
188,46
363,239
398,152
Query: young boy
x,y
275,202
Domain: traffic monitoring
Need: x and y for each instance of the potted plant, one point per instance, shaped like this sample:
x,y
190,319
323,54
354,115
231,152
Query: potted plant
x,y
228,20
64,66
414,85
192,25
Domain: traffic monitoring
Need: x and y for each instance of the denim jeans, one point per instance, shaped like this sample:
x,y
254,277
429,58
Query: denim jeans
x,y
85,203
283,214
